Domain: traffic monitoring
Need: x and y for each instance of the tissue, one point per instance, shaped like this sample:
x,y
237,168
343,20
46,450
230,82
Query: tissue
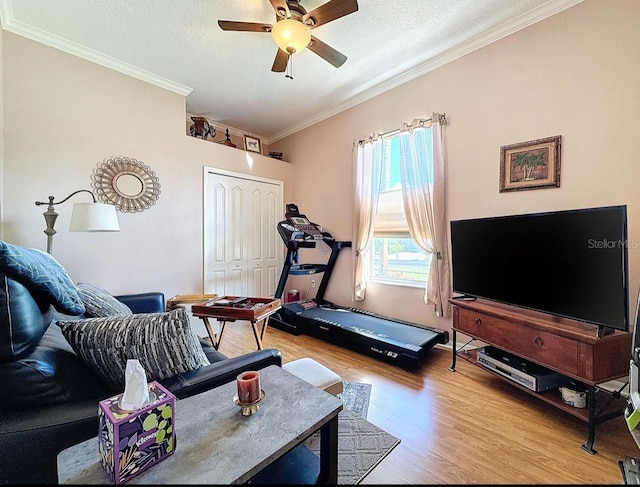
x,y
136,390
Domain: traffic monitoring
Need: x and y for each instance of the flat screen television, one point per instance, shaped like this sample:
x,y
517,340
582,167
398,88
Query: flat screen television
x,y
570,263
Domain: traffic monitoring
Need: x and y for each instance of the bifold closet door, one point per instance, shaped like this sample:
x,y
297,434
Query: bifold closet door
x,y
243,253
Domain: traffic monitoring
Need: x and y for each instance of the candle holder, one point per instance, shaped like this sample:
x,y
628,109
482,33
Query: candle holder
x,y
249,408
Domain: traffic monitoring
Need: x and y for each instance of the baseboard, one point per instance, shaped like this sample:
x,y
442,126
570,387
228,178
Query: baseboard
x,y
449,346
616,385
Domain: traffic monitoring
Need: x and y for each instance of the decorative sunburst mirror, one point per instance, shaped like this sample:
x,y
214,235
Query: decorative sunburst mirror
x,y
126,183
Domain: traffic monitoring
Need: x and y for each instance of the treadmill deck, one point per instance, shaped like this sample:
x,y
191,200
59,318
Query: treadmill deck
x,y
394,341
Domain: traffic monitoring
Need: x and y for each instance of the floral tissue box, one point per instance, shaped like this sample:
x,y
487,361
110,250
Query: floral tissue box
x,y
132,441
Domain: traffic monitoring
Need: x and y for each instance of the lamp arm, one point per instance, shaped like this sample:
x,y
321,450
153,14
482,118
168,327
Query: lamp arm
x,y
51,198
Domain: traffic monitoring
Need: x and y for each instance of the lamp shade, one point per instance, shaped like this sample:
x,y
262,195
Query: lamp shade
x,y
291,35
94,217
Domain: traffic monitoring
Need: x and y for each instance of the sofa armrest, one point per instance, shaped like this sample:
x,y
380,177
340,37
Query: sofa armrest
x,y
219,373
152,302
31,440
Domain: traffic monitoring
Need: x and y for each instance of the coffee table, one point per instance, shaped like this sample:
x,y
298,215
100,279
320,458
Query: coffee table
x,y
216,444
258,314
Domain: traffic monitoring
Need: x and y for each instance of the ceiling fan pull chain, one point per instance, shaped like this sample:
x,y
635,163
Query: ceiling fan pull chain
x,y
289,68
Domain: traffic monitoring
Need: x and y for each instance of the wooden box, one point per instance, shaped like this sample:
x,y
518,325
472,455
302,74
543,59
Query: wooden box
x,y
236,307
187,299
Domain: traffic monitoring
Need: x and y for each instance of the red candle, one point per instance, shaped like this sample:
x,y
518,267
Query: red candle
x,y
248,387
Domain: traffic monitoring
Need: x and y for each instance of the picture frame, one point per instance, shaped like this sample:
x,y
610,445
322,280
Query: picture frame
x,y
533,164
252,144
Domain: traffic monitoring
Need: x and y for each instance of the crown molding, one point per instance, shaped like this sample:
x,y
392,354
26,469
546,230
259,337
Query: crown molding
x,y
525,20
10,24
550,8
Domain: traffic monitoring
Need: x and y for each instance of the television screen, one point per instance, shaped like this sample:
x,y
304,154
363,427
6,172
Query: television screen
x,y
570,263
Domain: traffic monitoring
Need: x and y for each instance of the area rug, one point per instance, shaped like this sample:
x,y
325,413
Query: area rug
x,y
355,396
361,444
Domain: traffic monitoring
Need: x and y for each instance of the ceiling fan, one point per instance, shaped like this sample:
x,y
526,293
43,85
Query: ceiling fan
x,y
292,30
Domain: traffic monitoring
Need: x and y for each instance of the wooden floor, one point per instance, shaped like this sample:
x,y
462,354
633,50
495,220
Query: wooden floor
x,y
460,427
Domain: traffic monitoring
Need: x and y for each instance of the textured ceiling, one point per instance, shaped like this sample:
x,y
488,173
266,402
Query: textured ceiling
x,y
227,75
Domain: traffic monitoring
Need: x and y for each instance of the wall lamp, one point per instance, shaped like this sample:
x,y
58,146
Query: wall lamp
x,y
85,217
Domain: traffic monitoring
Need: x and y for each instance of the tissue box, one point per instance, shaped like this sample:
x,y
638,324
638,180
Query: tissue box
x,y
132,441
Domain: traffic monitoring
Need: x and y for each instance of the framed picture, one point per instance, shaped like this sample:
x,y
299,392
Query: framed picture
x,y
530,165
252,144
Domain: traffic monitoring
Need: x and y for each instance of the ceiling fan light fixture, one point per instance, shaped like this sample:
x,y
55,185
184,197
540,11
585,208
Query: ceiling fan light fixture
x,y
291,35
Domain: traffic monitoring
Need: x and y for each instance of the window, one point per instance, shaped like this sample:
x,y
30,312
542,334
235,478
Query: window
x,y
414,156
395,257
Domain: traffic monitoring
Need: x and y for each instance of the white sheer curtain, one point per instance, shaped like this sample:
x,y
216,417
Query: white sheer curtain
x,y
367,177
424,203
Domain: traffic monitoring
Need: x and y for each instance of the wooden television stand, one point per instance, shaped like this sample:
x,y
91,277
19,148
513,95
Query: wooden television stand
x,y
566,346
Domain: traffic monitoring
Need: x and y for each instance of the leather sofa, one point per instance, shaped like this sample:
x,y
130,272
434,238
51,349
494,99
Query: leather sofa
x,y
49,398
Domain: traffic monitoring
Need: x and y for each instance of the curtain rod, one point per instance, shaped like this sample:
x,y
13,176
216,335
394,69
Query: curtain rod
x,y
442,120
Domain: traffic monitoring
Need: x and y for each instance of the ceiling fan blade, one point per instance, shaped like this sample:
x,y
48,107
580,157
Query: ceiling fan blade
x,y
326,52
332,10
280,62
244,26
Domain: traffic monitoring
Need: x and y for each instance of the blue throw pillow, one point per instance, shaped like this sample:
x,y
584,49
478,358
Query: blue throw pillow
x,y
42,275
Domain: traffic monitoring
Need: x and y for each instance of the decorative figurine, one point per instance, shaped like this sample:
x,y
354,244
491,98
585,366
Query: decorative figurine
x,y
227,140
201,128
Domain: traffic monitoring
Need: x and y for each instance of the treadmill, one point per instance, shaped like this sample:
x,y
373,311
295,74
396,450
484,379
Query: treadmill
x,y
398,342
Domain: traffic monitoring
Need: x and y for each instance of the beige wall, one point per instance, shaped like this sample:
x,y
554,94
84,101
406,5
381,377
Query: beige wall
x,y
576,74
63,116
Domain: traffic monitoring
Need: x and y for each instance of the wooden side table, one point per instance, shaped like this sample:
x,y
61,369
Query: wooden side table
x,y
255,310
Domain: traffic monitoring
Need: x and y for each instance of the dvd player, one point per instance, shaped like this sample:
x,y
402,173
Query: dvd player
x,y
527,374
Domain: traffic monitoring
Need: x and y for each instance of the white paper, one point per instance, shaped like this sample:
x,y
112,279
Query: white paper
x,y
136,390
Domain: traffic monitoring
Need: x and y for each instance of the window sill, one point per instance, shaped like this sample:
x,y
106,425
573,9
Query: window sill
x,y
389,282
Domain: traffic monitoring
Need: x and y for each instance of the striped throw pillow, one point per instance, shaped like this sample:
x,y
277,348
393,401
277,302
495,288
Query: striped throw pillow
x,y
164,343
98,302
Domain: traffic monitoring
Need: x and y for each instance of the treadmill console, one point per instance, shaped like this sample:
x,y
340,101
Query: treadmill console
x,y
297,222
